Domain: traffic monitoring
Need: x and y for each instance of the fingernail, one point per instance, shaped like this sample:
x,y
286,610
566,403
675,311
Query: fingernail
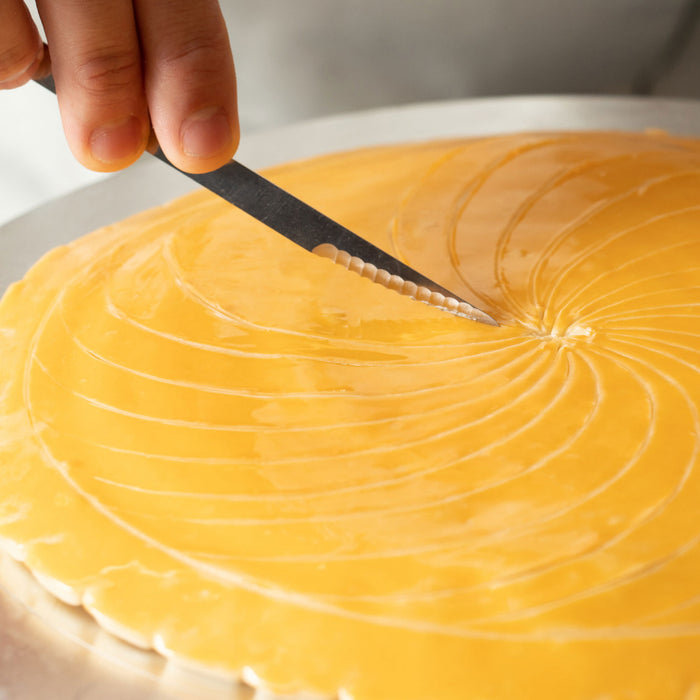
x,y
206,133
116,142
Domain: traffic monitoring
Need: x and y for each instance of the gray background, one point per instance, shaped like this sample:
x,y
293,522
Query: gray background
x,y
298,59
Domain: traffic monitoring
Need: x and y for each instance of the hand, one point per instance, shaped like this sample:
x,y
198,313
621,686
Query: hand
x,y
122,66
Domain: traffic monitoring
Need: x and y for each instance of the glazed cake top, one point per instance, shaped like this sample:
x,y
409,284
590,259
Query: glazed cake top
x,y
244,456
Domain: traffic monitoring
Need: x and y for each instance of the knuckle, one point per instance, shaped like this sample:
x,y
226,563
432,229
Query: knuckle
x,y
15,59
103,72
200,56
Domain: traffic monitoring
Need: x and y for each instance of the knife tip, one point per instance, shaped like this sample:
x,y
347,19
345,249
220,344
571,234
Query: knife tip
x,y
451,304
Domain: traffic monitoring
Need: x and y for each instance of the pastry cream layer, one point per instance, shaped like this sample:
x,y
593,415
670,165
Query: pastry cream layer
x,y
240,454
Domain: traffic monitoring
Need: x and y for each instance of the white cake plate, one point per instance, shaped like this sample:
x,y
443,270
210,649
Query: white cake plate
x,y
50,650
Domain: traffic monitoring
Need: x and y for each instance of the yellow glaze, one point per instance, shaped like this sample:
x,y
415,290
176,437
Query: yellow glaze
x,y
245,456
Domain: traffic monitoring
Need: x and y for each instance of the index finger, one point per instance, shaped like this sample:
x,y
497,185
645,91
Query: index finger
x,y
96,62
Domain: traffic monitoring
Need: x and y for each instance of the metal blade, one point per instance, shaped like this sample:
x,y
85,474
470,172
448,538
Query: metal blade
x,y
314,231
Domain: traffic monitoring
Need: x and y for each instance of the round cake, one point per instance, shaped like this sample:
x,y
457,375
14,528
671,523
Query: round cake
x,y
252,460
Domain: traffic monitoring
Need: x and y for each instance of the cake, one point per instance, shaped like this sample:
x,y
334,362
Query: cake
x,y
253,461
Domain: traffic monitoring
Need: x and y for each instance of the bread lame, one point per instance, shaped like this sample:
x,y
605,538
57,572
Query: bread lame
x,y
317,233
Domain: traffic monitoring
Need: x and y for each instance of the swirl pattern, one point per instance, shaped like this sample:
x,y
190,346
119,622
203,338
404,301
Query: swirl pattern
x,y
246,458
